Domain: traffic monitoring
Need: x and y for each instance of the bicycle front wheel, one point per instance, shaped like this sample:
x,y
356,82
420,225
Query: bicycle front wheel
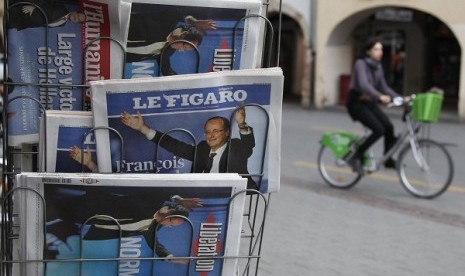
x,y
335,171
427,170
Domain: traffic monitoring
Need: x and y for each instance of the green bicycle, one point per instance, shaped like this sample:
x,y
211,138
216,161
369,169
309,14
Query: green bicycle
x,y
424,166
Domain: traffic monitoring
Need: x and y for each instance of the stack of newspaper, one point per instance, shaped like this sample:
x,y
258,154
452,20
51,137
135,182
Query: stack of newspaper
x,y
153,115
135,224
56,47
174,112
62,135
57,44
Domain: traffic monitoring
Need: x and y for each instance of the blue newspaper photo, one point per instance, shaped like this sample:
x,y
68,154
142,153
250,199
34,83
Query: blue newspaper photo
x,y
47,53
174,124
223,32
137,225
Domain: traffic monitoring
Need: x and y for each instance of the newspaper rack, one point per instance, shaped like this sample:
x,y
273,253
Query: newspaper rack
x,y
256,202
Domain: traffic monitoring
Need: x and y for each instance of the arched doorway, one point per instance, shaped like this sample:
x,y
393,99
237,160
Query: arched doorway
x,y
289,56
420,50
443,60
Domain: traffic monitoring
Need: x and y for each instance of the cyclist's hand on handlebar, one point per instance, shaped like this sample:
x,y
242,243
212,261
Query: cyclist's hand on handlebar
x,y
385,99
399,101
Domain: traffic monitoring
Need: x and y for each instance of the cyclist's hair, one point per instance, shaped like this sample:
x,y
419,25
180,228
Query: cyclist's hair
x,y
370,42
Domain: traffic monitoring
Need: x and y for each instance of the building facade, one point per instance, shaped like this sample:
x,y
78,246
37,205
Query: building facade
x,y
295,55
422,42
320,40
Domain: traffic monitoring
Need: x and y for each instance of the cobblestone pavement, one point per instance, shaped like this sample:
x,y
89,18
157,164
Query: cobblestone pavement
x,y
372,229
321,231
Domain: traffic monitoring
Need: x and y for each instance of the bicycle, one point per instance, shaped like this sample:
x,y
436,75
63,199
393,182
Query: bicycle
x,y
424,166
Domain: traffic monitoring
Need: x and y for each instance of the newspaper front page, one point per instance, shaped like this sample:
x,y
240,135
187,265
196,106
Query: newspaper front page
x,y
224,32
47,46
148,221
146,111
61,140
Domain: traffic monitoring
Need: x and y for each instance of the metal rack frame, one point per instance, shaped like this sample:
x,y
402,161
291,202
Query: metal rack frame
x,y
257,203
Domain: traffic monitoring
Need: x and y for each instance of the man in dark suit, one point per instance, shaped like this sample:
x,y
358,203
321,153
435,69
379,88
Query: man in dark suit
x,y
161,20
147,227
156,49
29,16
212,154
146,45
68,209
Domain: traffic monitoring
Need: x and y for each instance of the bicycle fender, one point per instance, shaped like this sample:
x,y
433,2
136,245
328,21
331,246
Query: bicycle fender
x,y
338,142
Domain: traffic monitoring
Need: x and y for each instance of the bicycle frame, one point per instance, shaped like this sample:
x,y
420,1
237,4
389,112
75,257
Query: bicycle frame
x,y
342,144
424,166
408,134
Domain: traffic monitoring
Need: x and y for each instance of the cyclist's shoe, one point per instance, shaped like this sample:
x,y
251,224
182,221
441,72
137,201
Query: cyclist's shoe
x,y
356,164
390,164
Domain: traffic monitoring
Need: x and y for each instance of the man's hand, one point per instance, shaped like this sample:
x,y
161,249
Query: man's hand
x,y
135,122
203,25
76,154
28,9
188,203
385,99
239,115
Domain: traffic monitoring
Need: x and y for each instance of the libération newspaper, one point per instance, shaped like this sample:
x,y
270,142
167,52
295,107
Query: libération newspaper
x,y
199,36
154,223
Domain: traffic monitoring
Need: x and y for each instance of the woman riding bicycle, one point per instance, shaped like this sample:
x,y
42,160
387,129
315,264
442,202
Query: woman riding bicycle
x,y
368,87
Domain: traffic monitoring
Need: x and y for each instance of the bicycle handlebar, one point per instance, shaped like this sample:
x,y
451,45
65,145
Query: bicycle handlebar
x,y
400,101
396,101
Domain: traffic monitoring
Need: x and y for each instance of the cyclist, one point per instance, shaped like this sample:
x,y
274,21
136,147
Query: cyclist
x,y
368,87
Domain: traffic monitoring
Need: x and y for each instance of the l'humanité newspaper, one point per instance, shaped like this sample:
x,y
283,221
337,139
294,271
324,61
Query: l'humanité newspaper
x,y
49,50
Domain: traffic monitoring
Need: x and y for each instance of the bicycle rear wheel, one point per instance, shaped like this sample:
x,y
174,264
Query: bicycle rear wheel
x,y
336,172
426,172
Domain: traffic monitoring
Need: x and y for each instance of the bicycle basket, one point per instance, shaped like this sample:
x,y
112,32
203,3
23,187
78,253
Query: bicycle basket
x,y
427,107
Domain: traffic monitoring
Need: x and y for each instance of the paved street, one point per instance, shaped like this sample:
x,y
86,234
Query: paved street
x,y
375,228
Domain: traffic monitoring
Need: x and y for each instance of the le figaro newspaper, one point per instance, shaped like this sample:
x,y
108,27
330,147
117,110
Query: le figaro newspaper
x,y
172,124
